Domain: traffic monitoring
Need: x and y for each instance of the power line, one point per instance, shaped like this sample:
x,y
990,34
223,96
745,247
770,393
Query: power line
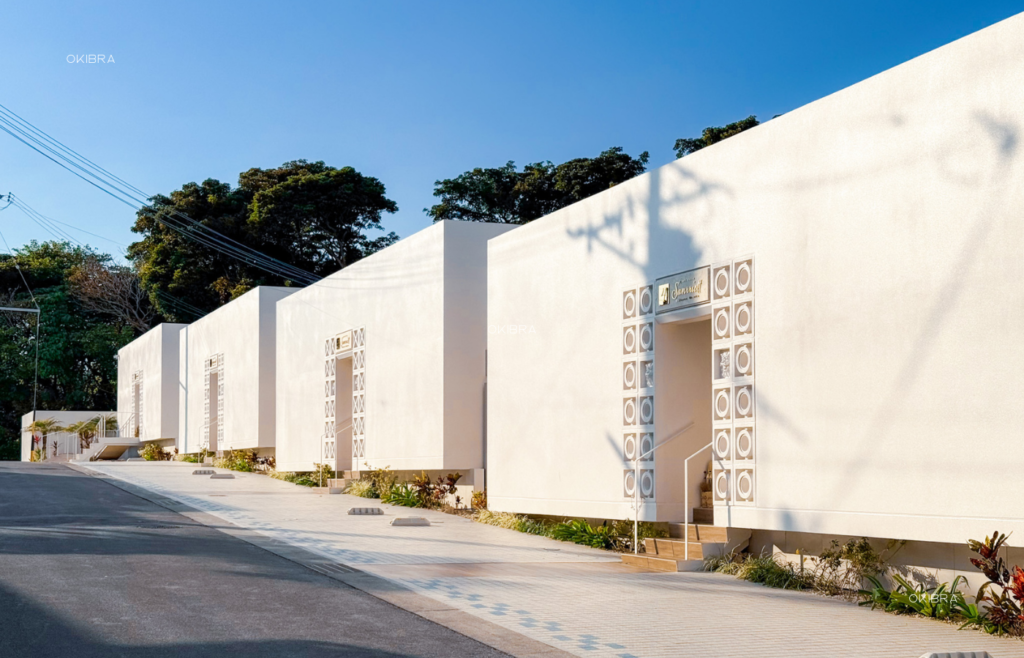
x,y
33,214
52,225
117,188
203,234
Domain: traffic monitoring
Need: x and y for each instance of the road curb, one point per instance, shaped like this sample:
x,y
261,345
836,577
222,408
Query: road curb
x,y
475,628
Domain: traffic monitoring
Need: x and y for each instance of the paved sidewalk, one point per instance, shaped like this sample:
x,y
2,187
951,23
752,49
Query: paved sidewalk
x,y
577,599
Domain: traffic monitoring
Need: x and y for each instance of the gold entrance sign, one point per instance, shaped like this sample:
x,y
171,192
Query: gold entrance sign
x,y
689,288
343,341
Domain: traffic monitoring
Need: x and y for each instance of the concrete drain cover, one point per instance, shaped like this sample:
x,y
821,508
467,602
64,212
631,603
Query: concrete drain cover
x,y
365,511
203,471
410,520
222,476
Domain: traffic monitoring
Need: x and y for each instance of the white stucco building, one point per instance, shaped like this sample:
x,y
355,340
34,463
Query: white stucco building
x,y
829,303
148,390
383,363
59,444
228,375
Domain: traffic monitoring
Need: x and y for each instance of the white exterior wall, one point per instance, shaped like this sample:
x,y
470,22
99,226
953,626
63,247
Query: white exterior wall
x,y
155,353
885,226
243,332
422,304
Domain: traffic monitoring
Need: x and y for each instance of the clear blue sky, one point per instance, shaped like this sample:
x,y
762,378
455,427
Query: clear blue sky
x,y
414,91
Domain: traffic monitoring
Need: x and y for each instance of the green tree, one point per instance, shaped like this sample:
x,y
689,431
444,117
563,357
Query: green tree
x,y
77,346
307,214
507,196
713,135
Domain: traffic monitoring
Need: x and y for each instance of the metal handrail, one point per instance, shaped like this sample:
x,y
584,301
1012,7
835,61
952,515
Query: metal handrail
x,y
686,501
636,483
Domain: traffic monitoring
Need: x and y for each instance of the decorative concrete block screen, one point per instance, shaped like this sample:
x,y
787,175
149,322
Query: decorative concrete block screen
x,y
213,366
354,343
638,390
358,396
732,367
332,347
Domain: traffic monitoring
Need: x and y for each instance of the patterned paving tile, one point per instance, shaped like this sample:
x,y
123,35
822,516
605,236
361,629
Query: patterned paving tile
x,y
574,598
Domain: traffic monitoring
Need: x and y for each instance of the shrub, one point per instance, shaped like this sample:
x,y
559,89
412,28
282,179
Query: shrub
x,y
301,479
943,602
622,534
361,488
404,495
37,455
514,522
434,495
247,461
1004,591
307,479
581,532
764,569
843,568
726,564
381,480
769,571
153,453
618,535
479,500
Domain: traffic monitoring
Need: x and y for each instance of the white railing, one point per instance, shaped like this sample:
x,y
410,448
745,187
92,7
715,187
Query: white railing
x,y
636,483
686,501
66,443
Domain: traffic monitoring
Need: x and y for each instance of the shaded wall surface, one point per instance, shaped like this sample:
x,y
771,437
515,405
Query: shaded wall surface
x,y
155,355
241,336
421,304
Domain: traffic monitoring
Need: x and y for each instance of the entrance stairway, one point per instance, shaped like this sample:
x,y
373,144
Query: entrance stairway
x,y
704,540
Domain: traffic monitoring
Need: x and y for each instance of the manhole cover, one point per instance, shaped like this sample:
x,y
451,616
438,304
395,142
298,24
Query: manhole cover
x,y
203,471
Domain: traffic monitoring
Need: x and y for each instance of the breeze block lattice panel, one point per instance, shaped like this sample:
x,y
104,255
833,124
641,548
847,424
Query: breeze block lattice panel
x,y
331,347
358,396
637,389
733,388
213,365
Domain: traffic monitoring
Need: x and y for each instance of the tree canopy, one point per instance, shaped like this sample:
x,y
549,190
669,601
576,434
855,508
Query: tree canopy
x,y
713,135
77,345
506,195
306,214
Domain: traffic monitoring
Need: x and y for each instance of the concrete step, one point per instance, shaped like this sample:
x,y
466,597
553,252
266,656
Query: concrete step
x,y
705,541
704,515
654,563
675,549
699,532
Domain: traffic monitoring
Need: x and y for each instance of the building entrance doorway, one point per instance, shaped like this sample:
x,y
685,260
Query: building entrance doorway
x,y
214,417
683,414
136,423
211,433
336,449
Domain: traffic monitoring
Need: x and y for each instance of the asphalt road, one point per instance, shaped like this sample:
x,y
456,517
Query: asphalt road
x,y
87,569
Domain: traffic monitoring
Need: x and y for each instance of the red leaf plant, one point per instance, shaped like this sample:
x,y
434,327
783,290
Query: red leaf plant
x,y
1004,591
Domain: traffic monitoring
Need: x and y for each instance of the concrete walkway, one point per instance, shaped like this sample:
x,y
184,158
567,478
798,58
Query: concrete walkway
x,y
576,599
